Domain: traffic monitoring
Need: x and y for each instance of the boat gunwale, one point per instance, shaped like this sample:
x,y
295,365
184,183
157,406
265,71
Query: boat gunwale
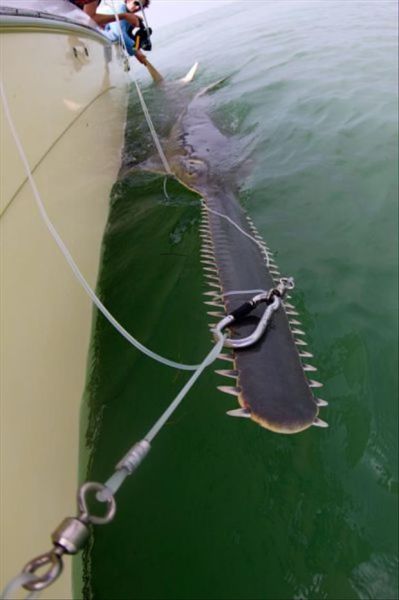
x,y
19,20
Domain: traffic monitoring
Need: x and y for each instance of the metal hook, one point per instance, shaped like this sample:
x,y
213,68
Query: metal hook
x,y
260,328
273,300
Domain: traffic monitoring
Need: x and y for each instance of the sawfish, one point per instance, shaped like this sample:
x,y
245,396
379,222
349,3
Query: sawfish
x,y
270,378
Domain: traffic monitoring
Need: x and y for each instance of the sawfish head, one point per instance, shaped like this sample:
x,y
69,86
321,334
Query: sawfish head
x,y
168,99
198,154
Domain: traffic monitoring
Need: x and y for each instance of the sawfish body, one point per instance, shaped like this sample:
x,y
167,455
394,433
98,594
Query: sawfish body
x,y
269,378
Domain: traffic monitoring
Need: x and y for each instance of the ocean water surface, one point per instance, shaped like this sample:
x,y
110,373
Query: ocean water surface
x,y
221,508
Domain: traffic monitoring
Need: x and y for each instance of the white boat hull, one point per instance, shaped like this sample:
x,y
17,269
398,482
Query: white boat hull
x,y
67,95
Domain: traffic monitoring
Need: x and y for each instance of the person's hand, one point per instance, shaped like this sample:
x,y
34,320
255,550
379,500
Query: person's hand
x,y
131,19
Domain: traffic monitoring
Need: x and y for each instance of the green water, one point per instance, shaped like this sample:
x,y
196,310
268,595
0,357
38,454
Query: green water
x,y
221,508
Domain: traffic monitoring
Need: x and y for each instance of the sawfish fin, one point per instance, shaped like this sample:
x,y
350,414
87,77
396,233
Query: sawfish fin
x,y
212,87
190,75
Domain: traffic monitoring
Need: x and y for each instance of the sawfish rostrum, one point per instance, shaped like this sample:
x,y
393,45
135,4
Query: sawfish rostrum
x,y
268,379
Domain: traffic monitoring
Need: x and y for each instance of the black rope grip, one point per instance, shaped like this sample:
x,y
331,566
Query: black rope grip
x,y
243,310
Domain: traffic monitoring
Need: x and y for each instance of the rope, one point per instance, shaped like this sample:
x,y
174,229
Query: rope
x,y
240,293
138,452
141,98
259,244
125,468
68,257
15,584
119,476
158,145
152,128
209,359
122,39
144,17
165,191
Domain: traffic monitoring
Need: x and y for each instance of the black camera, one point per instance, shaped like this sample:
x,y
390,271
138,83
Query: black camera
x,y
142,38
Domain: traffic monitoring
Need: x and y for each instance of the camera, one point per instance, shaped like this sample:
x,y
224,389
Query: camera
x,y
142,38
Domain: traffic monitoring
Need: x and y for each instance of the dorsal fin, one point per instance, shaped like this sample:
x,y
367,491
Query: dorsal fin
x,y
190,75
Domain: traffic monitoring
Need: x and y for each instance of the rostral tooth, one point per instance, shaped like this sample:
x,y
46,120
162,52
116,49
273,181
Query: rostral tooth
x,y
234,391
214,285
321,402
226,357
239,412
232,374
207,261
319,423
315,384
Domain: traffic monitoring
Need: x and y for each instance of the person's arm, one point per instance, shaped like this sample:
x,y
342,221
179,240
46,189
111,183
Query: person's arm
x,y
101,20
141,57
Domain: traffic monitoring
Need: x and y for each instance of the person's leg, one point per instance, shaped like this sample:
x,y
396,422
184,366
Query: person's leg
x,y
112,32
127,39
